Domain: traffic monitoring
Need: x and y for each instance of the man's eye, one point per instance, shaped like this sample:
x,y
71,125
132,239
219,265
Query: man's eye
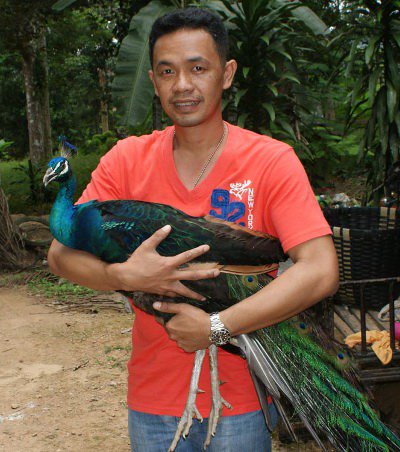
x,y
198,68
166,71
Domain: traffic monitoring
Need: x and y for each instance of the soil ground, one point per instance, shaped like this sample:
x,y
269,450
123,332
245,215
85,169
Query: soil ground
x,y
63,378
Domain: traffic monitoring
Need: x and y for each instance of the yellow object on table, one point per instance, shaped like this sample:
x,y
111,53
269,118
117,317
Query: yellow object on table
x,y
380,341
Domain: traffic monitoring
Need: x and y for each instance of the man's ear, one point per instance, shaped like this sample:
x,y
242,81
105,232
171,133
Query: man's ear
x,y
229,73
151,75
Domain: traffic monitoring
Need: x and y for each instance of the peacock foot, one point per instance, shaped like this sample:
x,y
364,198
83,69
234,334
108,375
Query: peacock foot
x,y
185,422
190,410
218,402
215,414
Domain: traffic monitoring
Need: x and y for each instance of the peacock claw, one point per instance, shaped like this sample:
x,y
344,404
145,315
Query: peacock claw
x,y
218,401
190,410
215,414
186,421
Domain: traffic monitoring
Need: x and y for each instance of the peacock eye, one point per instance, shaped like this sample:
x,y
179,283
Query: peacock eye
x,y
343,358
250,281
302,327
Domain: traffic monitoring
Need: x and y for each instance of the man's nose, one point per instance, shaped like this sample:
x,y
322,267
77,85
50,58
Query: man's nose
x,y
183,82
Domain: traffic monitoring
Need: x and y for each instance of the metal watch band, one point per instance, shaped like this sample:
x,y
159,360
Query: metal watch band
x,y
216,323
219,334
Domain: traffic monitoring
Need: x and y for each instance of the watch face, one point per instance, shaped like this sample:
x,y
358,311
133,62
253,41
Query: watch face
x,y
221,337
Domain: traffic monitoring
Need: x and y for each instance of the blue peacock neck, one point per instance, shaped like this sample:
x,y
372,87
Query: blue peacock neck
x,y
63,211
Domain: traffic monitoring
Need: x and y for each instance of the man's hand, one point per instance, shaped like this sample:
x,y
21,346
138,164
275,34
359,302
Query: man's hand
x,y
189,328
148,271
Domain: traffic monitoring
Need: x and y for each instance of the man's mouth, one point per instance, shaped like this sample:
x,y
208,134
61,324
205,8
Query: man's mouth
x,y
189,103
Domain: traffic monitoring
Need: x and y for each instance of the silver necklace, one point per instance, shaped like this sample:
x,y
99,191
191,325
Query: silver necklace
x,y
210,157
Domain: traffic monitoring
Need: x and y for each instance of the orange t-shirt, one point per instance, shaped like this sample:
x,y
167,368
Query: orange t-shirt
x,y
257,182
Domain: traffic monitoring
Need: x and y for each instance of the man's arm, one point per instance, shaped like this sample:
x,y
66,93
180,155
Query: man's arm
x,y
313,277
145,270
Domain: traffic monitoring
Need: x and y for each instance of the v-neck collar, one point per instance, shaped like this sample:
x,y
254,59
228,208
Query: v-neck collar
x,y
212,178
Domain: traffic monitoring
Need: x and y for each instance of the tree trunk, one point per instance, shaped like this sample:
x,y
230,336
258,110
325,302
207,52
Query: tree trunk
x,y
11,242
103,101
35,70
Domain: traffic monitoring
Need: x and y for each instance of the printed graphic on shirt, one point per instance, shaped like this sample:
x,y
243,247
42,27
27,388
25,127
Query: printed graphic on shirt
x,y
225,209
238,189
229,209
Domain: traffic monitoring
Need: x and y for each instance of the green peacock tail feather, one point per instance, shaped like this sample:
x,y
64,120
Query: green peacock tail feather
x,y
326,399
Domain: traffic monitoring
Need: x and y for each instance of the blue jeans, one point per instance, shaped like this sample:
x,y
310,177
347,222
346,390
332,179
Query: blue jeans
x,y
243,432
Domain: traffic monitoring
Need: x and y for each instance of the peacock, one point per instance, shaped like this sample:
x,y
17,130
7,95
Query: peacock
x,y
286,360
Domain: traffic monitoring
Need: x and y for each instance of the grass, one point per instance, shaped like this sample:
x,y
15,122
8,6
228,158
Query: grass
x,y
116,355
15,182
44,283
50,286
14,279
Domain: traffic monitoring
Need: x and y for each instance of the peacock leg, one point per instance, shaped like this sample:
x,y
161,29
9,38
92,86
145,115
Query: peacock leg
x,y
217,400
190,409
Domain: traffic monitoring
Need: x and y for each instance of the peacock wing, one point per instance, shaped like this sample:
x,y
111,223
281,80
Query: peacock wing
x,y
128,223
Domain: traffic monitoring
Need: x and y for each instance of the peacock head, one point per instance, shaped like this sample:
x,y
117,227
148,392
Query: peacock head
x,y
58,170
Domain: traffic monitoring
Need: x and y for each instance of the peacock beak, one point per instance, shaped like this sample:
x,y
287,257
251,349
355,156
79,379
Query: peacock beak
x,y
49,176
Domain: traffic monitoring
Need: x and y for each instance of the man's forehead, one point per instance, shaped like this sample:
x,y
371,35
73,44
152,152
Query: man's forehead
x,y
186,44
193,59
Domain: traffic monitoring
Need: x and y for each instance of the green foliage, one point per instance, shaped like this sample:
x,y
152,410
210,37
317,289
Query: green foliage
x,y
51,286
13,125
132,89
100,143
260,33
31,175
374,62
16,183
290,83
282,87
62,4
4,145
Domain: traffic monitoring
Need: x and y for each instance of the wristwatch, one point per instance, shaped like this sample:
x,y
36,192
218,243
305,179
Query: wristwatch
x,y
220,334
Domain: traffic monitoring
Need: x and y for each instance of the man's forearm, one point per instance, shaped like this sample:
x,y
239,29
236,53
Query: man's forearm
x,y
291,293
302,285
81,267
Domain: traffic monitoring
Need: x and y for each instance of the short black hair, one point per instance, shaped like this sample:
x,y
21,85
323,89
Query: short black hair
x,y
191,18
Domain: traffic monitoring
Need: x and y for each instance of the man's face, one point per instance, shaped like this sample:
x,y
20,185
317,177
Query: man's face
x,y
189,76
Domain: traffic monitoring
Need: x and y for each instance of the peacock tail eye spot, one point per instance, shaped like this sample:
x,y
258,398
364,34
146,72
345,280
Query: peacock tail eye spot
x,y
302,327
343,358
250,281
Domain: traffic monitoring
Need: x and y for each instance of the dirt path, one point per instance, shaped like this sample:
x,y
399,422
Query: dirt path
x,y
62,377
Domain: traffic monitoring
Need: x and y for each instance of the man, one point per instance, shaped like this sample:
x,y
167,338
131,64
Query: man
x,y
202,165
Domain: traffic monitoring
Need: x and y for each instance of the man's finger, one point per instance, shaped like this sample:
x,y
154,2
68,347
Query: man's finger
x,y
154,240
194,275
184,291
189,255
164,306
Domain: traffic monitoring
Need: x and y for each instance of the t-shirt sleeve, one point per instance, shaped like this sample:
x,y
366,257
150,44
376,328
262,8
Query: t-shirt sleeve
x,y
292,211
107,179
